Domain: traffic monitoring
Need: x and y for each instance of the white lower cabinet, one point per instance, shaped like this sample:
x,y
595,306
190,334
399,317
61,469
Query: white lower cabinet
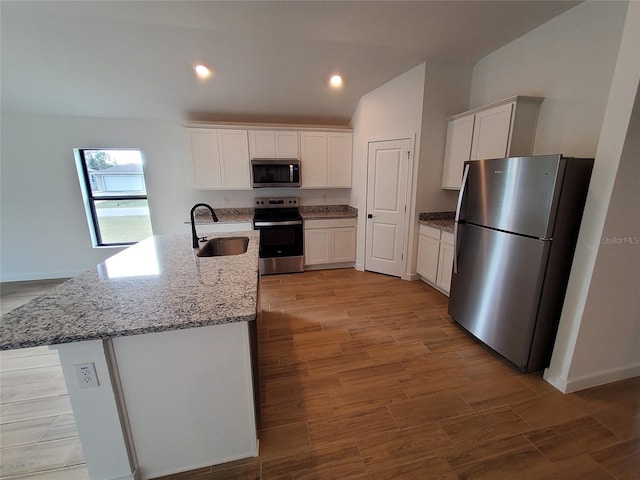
x,y
428,249
330,243
445,262
435,257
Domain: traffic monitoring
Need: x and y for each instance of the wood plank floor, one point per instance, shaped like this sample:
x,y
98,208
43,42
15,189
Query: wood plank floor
x,y
364,376
38,437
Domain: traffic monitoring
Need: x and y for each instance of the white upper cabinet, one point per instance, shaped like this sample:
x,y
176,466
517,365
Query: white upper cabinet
x,y
313,159
503,129
273,144
326,159
491,132
220,158
205,159
234,158
339,159
457,150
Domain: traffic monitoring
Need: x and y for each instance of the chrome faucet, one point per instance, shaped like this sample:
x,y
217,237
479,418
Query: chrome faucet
x,y
194,236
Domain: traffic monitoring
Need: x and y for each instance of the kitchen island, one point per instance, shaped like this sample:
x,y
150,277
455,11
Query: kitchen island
x,y
156,348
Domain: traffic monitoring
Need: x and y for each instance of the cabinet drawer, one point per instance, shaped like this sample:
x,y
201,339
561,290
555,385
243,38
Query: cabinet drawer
x,y
430,232
329,223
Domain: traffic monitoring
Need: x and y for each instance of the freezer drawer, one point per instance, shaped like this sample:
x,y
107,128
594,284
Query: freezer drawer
x,y
517,195
496,291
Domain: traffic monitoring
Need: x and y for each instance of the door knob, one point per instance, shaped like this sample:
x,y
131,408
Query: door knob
x,y
369,216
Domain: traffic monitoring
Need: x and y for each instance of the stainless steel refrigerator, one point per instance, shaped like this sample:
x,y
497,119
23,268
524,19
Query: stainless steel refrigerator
x,y
516,228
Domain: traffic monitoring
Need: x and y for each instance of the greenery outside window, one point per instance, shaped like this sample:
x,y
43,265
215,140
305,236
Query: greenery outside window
x,y
115,195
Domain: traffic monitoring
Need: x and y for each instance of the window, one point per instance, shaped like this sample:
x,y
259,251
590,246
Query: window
x,y
115,195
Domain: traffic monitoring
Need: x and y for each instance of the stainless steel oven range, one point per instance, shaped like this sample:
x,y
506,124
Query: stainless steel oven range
x,y
281,235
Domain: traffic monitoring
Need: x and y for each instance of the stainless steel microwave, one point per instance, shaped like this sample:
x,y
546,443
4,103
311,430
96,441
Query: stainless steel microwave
x,y
275,172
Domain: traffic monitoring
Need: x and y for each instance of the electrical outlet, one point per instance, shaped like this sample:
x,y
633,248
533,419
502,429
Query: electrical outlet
x,y
86,375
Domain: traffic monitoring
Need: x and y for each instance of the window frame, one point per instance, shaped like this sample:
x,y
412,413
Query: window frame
x,y
90,198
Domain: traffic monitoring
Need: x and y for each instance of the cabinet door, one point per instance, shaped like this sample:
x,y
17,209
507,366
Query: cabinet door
x,y
344,245
491,132
233,146
457,150
339,159
205,160
262,144
445,265
428,249
313,159
286,143
317,246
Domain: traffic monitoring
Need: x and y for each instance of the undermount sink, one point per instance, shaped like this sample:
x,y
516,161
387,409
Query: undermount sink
x,y
223,246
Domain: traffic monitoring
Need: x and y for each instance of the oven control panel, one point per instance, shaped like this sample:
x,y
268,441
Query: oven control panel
x,y
284,202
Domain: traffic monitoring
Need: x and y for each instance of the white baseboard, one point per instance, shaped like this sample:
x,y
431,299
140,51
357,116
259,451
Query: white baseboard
x,y
328,266
592,380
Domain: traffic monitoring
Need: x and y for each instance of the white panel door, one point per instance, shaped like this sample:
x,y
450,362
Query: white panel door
x,y
387,181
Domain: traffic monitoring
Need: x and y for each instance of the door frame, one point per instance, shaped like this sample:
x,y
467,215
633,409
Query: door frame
x,y
409,196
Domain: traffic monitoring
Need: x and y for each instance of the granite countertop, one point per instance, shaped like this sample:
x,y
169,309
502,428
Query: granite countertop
x,y
440,220
156,285
308,212
319,212
225,215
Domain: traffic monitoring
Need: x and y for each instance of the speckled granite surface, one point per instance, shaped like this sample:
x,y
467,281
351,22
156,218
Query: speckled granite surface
x,y
156,285
226,215
316,212
440,220
308,212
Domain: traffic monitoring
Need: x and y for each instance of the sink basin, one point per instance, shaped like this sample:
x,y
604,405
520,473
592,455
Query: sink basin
x,y
223,246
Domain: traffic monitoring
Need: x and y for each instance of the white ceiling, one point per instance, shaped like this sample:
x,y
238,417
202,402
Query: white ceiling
x,y
134,59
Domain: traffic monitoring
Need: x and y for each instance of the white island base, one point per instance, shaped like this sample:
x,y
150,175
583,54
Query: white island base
x,y
167,402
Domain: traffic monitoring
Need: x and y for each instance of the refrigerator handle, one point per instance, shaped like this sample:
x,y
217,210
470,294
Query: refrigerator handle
x,y
457,218
462,189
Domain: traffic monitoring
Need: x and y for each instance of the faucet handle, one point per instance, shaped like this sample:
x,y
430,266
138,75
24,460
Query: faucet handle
x,y
203,239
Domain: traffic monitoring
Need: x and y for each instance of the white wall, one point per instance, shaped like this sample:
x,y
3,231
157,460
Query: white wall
x,y
613,298
446,92
599,330
569,61
393,110
44,231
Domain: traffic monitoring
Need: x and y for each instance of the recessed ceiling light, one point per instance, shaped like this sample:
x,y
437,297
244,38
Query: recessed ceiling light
x,y
335,81
202,71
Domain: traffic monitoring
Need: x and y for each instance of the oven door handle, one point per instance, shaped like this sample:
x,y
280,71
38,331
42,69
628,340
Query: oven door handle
x,y
277,224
